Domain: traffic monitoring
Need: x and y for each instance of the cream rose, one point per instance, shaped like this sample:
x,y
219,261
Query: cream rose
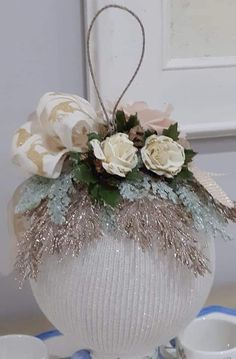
x,y
59,125
163,156
117,153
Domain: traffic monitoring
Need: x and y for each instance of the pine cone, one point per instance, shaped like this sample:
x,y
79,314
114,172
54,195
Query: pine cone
x,y
136,134
84,156
103,130
98,166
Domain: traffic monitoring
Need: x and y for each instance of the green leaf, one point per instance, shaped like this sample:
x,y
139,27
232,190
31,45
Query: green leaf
x,y
75,156
132,122
84,174
172,132
94,136
104,194
94,191
134,175
110,196
189,155
120,121
147,134
124,125
185,174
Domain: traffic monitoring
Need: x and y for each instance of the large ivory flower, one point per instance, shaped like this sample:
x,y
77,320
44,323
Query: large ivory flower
x,y
60,124
163,156
117,153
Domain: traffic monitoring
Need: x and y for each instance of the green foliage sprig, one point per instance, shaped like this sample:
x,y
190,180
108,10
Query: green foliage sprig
x,y
172,132
124,124
87,170
147,134
185,173
102,187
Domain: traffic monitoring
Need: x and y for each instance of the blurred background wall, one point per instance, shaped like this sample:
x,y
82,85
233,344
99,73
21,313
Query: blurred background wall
x,y
42,49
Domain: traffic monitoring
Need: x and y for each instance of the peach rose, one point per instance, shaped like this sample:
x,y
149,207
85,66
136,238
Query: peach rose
x,y
150,119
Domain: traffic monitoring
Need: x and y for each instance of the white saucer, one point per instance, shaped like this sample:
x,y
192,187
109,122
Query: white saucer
x,y
60,346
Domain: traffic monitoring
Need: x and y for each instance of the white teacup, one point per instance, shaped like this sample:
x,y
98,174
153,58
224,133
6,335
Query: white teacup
x,y
207,338
22,347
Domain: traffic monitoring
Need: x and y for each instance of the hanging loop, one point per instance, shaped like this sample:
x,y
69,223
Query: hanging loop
x,y
110,122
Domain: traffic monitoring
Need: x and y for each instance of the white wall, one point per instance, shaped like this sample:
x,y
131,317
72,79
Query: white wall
x,y
219,156
41,50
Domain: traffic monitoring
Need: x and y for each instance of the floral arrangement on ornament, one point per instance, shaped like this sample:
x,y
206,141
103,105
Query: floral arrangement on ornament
x,y
132,176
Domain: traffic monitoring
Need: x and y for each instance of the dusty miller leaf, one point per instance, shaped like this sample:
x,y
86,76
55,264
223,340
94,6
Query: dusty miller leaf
x,y
59,198
34,190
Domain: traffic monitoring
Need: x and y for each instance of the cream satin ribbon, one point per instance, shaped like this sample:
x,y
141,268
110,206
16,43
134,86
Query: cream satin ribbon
x,y
60,124
206,180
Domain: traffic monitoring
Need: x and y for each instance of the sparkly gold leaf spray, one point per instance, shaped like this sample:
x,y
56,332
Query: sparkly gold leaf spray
x,y
151,223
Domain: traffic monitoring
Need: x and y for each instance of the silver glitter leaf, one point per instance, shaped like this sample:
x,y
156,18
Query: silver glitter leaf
x,y
59,198
33,191
57,191
205,215
148,187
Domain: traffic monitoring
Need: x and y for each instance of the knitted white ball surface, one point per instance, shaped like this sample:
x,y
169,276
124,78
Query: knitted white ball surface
x,y
118,300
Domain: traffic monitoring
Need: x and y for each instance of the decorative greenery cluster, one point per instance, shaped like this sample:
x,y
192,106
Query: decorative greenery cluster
x,y
85,169
205,216
57,191
123,124
104,187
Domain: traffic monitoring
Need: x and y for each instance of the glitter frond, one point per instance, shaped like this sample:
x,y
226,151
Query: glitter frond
x,y
225,211
149,222
170,228
205,216
41,237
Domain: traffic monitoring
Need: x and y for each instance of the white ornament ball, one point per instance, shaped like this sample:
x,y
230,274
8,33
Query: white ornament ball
x,y
118,300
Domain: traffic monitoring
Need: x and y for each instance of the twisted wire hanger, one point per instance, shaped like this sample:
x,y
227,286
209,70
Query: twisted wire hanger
x,y
110,122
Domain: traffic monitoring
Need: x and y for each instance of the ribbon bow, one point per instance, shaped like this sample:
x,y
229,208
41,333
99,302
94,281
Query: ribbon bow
x,y
59,125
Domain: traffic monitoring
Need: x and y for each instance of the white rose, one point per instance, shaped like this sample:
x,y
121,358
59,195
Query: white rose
x,y
59,125
163,156
117,153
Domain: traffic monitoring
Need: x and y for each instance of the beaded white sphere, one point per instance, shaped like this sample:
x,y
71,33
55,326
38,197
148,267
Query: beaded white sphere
x,y
118,300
